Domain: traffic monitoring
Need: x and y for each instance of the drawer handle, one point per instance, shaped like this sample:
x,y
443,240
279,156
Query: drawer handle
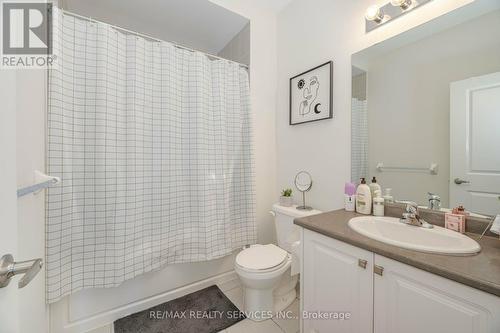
x,y
379,270
362,263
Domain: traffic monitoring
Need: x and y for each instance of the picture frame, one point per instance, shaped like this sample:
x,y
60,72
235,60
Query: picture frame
x,y
311,97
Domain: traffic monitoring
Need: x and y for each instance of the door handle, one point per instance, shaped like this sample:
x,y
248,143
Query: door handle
x,y
459,181
9,268
362,263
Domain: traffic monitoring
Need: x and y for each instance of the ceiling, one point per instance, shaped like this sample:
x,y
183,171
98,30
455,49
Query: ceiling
x,y
274,5
198,24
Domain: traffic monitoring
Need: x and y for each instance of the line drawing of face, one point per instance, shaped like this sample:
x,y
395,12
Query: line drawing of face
x,y
310,90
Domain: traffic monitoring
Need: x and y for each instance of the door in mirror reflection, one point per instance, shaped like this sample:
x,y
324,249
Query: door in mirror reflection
x,y
475,143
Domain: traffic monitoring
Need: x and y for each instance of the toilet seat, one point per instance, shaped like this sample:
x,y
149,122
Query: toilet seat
x,y
263,271
262,258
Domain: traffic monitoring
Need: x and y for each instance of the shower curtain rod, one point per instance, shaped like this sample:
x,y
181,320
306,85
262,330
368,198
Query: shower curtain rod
x,y
150,37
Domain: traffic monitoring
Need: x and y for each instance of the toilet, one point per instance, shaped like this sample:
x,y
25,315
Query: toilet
x,y
269,273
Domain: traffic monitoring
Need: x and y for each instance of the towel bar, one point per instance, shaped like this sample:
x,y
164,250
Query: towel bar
x,y
42,181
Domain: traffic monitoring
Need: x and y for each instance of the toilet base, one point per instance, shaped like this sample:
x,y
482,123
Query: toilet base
x,y
286,292
258,304
284,301
261,304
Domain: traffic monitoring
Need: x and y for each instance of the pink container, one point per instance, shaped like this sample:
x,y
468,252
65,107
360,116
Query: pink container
x,y
454,222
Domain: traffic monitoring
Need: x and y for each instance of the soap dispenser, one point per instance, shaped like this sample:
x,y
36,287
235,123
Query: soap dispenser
x,y
374,187
363,198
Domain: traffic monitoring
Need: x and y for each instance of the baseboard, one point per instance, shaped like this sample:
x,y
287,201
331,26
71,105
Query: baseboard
x,y
225,281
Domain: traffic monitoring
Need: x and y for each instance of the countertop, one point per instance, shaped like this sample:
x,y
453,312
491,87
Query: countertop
x,y
480,271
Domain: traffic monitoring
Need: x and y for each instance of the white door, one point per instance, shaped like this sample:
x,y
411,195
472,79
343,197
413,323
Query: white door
x,y
22,115
337,279
475,144
409,300
9,296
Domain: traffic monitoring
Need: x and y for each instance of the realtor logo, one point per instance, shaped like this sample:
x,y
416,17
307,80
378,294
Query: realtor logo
x,y
26,30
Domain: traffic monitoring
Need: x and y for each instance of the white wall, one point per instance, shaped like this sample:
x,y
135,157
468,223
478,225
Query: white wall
x,y
88,308
412,89
310,33
238,49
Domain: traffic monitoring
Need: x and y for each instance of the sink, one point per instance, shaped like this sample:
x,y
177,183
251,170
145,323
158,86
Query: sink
x,y
436,240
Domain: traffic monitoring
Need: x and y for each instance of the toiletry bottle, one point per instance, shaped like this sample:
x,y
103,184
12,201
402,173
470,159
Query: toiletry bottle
x,y
454,222
378,204
363,198
374,187
350,197
388,198
457,219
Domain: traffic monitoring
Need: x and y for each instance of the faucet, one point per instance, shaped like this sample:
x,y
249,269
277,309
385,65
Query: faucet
x,y
434,201
411,216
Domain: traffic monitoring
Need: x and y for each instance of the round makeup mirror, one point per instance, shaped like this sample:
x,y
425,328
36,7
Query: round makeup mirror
x,y
303,183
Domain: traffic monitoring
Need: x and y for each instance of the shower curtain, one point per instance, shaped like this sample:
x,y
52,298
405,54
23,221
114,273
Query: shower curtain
x,y
359,146
153,146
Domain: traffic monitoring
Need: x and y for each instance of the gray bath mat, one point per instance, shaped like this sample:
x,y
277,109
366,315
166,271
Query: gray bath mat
x,y
205,311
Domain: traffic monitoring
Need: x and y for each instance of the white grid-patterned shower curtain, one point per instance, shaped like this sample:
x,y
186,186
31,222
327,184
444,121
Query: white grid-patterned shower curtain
x,y
153,146
359,146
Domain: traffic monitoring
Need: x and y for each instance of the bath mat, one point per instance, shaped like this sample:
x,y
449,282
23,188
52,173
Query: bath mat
x,y
204,311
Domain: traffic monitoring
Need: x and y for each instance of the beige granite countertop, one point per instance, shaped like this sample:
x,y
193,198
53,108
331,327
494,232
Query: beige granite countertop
x,y
480,271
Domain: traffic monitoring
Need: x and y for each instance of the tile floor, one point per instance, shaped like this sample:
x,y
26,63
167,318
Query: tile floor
x,y
275,325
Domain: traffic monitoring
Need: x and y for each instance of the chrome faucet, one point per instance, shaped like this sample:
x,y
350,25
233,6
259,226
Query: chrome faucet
x,y
411,216
434,201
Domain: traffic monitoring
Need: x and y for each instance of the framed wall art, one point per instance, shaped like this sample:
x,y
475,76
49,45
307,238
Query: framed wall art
x,y
311,95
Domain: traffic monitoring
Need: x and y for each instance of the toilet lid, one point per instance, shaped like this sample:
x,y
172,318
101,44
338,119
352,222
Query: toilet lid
x,y
260,257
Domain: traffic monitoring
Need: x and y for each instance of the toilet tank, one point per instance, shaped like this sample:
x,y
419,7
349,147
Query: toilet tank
x,y
287,232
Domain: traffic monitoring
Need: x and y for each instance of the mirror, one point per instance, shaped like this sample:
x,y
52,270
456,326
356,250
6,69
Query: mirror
x,y
426,112
303,183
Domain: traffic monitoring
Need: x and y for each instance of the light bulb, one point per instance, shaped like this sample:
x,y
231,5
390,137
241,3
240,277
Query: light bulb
x,y
373,13
404,4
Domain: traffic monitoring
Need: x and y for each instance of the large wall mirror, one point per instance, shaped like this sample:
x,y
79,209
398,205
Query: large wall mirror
x,y
426,111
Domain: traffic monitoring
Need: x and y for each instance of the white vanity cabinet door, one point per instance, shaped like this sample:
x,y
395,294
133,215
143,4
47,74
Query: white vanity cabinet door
x,y
335,281
410,300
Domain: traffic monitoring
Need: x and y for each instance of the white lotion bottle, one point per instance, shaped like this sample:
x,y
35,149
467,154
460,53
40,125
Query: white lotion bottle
x,y
363,198
374,187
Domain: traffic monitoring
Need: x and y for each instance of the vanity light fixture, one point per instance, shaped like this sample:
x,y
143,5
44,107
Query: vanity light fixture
x,y
378,15
373,13
404,4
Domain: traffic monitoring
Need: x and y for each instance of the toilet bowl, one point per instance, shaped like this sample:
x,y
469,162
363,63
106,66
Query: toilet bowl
x,y
269,273
261,268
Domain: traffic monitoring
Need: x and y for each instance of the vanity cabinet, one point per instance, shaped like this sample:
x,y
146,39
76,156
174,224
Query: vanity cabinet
x,y
337,279
410,300
387,296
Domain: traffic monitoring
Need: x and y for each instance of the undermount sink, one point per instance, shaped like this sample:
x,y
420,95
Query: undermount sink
x,y
436,240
